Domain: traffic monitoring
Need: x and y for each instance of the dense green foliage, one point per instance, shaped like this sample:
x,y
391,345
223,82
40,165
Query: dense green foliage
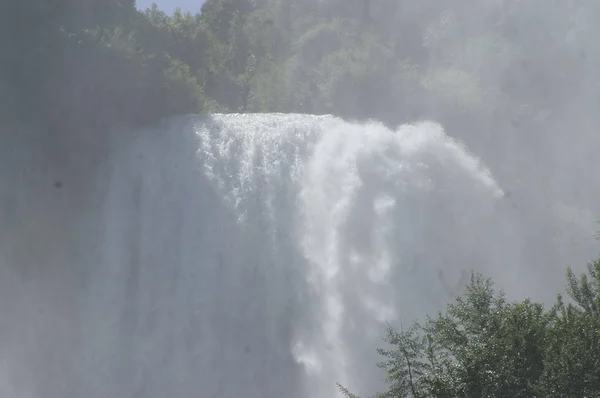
x,y
485,346
74,62
391,59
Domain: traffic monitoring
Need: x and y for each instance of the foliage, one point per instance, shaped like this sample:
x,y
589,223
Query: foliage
x,y
312,56
484,346
88,61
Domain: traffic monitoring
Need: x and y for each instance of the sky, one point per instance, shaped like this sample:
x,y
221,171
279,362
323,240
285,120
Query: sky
x,y
169,5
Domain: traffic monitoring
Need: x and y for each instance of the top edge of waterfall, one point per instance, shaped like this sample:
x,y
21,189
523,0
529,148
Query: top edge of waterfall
x,y
255,115
419,136
298,116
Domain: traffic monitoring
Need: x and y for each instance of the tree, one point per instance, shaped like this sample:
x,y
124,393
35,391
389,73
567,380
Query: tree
x,y
572,355
484,346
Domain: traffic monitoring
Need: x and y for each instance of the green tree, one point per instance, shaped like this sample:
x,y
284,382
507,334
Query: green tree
x,y
572,355
485,346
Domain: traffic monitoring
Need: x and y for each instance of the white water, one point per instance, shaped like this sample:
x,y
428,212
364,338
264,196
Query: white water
x,y
260,256
272,249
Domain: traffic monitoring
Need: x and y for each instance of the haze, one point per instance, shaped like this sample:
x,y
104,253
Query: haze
x,y
238,203
169,6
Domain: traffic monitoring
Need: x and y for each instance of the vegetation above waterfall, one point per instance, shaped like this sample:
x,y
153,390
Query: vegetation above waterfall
x,y
486,346
394,60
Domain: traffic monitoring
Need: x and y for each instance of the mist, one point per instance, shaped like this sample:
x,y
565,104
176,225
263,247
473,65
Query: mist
x,y
239,201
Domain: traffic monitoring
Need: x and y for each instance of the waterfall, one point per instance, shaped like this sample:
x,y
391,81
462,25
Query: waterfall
x,y
263,255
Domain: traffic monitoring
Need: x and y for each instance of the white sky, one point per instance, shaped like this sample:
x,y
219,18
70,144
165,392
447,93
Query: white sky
x,y
169,5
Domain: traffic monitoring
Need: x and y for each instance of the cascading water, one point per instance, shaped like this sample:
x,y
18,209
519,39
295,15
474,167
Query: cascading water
x,y
261,255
